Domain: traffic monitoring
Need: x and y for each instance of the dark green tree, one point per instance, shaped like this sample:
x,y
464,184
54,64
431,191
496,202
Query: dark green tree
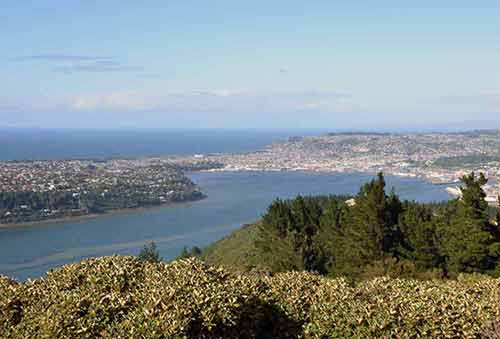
x,y
150,253
279,218
467,241
377,233
418,236
370,228
300,214
195,251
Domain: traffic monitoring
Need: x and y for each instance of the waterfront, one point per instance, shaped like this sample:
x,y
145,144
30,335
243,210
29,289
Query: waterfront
x,y
436,157
234,198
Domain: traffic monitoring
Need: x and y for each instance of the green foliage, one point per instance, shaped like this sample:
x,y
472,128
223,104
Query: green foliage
x,y
465,161
122,297
26,206
236,249
149,253
469,240
369,231
359,236
186,252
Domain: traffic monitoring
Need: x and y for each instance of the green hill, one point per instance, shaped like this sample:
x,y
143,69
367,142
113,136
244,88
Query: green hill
x,y
235,250
122,297
245,250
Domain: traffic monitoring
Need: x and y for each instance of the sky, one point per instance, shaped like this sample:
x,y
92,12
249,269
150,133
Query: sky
x,y
249,64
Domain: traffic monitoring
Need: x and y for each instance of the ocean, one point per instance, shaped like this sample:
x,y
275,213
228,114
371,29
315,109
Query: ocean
x,y
28,144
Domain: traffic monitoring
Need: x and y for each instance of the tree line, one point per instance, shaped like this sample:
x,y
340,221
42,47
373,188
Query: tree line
x,y
376,232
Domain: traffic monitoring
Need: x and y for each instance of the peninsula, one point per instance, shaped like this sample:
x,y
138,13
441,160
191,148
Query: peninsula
x,y
32,191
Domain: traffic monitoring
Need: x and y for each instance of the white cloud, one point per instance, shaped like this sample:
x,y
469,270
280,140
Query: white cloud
x,y
71,63
208,100
312,105
224,93
113,101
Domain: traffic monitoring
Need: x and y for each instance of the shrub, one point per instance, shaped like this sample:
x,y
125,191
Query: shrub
x,y
491,330
122,297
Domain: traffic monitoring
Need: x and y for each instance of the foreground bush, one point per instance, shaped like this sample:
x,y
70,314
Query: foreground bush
x,y
122,297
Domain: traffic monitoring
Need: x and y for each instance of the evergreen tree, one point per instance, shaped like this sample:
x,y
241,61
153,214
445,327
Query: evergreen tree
x,y
418,237
278,217
300,214
195,251
370,228
150,253
330,236
467,241
330,219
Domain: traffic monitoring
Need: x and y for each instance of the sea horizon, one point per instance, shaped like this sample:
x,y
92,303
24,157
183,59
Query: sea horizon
x,y
38,143
68,143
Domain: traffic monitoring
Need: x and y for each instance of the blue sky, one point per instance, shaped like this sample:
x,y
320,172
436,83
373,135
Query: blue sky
x,y
252,64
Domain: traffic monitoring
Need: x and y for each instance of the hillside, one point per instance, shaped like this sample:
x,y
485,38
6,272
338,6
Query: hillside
x,y
371,234
238,249
122,297
245,250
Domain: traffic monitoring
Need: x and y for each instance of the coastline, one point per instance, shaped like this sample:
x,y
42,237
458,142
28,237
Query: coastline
x,y
330,170
77,218
38,248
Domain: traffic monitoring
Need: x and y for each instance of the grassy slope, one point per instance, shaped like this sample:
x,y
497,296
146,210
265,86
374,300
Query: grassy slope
x,y
249,248
236,249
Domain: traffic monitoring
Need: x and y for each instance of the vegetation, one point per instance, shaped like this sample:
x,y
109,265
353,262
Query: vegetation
x,y
186,252
371,234
238,250
373,237
149,253
27,206
200,165
122,297
465,161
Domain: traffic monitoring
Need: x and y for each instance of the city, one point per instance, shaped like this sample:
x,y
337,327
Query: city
x,y
440,158
39,190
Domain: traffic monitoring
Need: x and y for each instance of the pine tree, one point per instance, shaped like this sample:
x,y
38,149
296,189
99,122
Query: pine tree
x,y
418,237
330,219
467,240
370,229
150,253
278,217
300,214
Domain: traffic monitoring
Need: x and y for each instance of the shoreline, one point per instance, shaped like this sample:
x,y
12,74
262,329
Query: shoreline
x,y
83,217
329,170
218,170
